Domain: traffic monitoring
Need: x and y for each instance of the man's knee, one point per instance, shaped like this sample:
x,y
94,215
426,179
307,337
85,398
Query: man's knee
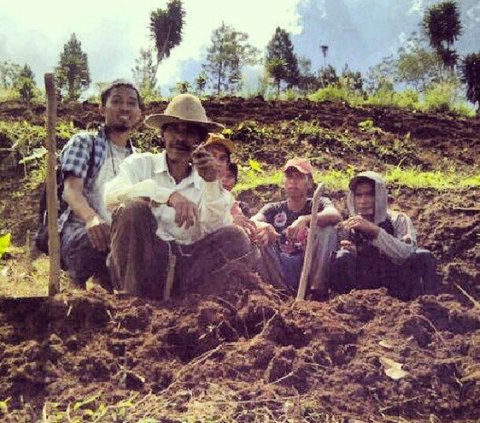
x,y
233,239
132,212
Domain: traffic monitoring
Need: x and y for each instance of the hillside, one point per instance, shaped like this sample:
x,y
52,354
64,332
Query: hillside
x,y
240,352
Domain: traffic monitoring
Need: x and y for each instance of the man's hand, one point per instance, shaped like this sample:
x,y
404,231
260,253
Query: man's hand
x,y
205,164
266,235
360,224
185,210
98,233
299,226
247,225
345,244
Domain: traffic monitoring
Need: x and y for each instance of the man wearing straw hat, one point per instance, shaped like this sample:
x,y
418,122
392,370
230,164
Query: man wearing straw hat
x,y
171,207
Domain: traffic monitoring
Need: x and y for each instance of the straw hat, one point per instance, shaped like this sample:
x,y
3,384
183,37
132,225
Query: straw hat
x,y
184,108
219,139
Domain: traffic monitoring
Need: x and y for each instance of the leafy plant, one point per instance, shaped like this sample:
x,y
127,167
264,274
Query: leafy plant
x,y
5,240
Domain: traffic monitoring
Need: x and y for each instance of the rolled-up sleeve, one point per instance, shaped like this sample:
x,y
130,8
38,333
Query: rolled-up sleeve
x,y
404,242
134,180
214,207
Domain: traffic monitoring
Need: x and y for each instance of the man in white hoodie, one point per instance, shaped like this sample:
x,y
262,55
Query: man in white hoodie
x,y
378,246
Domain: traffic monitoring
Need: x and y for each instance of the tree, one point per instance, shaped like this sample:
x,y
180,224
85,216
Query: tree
x,y
25,84
228,53
166,30
352,81
417,65
328,76
201,82
72,72
470,69
307,81
9,73
281,59
276,70
144,73
442,25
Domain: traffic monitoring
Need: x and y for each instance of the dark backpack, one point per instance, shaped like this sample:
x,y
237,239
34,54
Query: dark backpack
x,y
41,237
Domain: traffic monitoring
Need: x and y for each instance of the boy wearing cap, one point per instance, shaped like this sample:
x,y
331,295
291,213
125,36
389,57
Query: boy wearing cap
x,y
378,246
282,232
221,149
88,161
172,204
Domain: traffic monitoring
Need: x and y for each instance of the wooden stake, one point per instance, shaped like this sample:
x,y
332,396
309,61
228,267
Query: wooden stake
x,y
307,260
51,184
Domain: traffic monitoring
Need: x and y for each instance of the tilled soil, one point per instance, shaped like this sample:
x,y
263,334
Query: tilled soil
x,y
240,351
240,354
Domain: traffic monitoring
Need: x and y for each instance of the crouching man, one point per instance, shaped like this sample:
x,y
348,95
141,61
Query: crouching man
x,y
282,233
378,246
172,204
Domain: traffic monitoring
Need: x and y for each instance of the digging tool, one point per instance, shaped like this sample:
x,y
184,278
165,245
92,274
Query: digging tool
x,y
307,260
51,184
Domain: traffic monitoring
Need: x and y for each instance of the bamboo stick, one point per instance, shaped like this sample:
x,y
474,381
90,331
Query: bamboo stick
x,y
307,261
51,184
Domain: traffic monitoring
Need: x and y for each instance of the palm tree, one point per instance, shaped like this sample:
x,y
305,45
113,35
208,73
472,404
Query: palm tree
x,y
470,69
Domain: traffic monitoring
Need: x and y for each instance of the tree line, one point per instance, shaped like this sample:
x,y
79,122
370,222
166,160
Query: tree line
x,y
425,59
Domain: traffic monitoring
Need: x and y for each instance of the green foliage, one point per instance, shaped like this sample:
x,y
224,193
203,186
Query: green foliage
x,y
439,98
25,84
281,62
442,25
8,94
332,93
5,240
327,76
201,82
72,72
144,74
416,66
9,73
228,53
166,28
470,69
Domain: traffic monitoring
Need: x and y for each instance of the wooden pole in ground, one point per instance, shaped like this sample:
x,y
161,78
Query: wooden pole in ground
x,y
51,185
307,261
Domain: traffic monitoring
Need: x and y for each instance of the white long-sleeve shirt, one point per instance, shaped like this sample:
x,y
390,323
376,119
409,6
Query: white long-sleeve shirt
x,y
147,175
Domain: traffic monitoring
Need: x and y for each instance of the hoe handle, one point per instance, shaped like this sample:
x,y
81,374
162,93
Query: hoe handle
x,y
307,261
51,184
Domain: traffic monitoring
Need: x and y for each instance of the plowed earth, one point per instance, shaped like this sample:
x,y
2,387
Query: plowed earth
x,y
239,351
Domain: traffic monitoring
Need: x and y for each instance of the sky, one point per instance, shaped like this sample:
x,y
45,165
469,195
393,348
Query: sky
x,y
358,32
112,32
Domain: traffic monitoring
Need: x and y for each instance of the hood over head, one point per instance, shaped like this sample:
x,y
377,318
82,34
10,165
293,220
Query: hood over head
x,y
381,195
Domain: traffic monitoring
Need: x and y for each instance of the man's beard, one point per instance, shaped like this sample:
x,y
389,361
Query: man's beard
x,y
119,127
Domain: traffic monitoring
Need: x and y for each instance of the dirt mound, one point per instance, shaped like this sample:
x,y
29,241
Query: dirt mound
x,y
243,354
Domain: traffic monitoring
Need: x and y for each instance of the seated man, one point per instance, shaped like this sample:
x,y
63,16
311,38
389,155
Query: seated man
x,y
379,246
221,149
88,161
172,204
282,232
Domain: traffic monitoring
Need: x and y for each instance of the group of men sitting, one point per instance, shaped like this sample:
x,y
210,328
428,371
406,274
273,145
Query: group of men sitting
x,y
154,224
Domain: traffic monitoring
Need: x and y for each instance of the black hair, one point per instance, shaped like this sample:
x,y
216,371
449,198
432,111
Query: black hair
x,y
120,83
361,180
233,168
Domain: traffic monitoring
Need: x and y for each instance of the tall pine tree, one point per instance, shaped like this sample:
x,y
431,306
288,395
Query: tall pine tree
x,y
72,72
281,61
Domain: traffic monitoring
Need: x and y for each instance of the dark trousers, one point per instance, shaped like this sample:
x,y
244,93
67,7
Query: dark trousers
x,y
138,261
80,259
415,276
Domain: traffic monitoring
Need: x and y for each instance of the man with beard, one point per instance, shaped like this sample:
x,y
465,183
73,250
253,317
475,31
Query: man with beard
x,y
378,246
282,233
172,225
88,161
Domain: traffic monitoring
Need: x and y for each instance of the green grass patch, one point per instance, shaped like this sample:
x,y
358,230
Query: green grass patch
x,y
338,180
